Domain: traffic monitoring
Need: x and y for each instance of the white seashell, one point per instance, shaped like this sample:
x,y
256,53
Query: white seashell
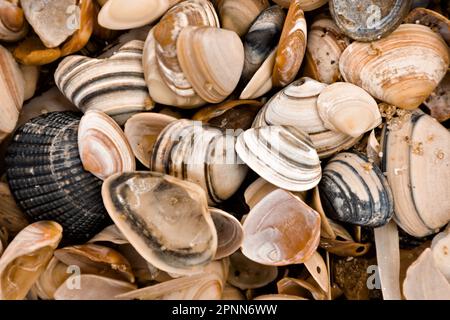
x,y
230,233
440,247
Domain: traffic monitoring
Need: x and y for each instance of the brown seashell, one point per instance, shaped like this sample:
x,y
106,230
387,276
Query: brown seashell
x,y
31,77
432,19
11,217
32,51
13,25
230,233
344,248
305,5
51,279
439,101
292,46
301,288
232,293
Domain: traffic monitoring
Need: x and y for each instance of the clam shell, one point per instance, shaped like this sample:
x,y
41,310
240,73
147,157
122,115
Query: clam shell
x,y
305,5
372,20
257,191
212,60
237,15
47,179
440,248
325,46
11,92
103,147
164,218
416,161
13,25
26,257
142,131
51,279
201,154
272,235
282,155
114,85
261,40
11,217
432,19
346,108
186,13
439,101
31,77
229,233
292,46
53,20
355,191
402,69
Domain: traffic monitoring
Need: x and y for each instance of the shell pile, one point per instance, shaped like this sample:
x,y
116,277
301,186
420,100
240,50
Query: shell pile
x,y
224,149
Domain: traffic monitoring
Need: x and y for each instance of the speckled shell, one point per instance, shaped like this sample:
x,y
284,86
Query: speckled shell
x,y
13,25
47,178
201,154
282,155
292,46
354,190
416,158
114,85
402,69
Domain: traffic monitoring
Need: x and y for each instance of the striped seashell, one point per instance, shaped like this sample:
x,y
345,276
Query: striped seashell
x,y
13,25
416,158
296,105
432,19
47,179
282,155
114,85
355,191
201,154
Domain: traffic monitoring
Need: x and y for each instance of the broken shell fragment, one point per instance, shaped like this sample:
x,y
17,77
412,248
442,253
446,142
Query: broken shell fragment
x,y
103,147
165,219
344,248
402,69
13,25
354,190
230,233
26,258
282,155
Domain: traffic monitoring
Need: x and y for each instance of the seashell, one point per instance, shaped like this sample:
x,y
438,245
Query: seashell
x,y
347,108
261,40
185,147
415,161
283,3
247,274
142,131
430,19
31,77
229,233
232,293
184,238
132,35
272,235
93,287
402,69
96,259
54,275
125,14
159,91
439,247
13,25
326,229
237,16
344,248
166,32
205,286
439,101
11,217
325,46
32,52
282,155
198,52
53,20
301,288
26,257
305,5
373,19
292,46
274,297
12,92
47,179
353,190
104,149
261,82
257,191
114,85
233,114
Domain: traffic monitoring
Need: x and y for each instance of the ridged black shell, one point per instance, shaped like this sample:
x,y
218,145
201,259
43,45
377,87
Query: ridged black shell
x,y
47,179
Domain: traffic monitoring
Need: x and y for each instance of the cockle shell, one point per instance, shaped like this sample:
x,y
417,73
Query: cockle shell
x,y
229,233
346,108
402,69
142,131
47,179
283,155
212,60
103,147
325,46
53,20
416,158
237,15
281,230
353,190
165,219
201,154
26,257
114,85
13,25
126,14
166,32
51,279
11,92
292,46
11,217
